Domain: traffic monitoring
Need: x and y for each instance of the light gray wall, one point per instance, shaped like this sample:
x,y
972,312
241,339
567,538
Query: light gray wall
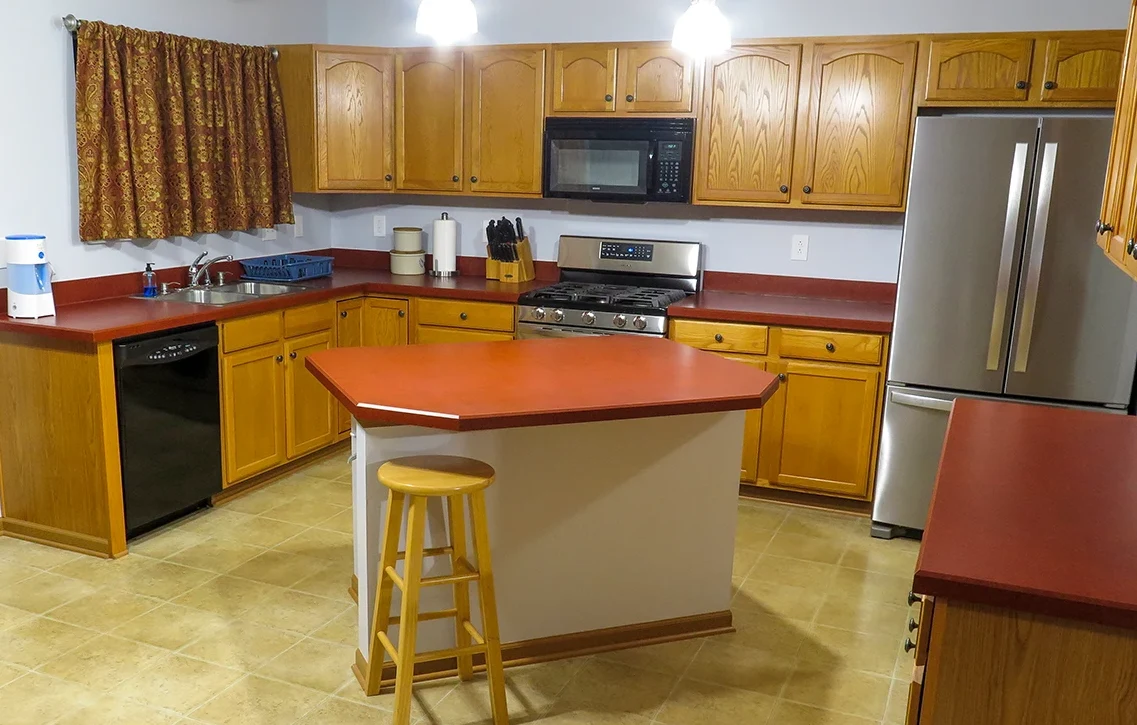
x,y
38,185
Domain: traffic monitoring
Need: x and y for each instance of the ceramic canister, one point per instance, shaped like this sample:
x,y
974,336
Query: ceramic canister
x,y
408,263
408,239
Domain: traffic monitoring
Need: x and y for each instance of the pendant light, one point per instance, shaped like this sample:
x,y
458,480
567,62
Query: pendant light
x,y
447,21
703,31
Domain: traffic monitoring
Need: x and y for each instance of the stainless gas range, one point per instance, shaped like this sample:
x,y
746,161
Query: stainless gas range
x,y
612,287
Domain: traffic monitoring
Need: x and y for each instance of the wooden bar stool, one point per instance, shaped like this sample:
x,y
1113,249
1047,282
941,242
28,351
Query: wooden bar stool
x,y
419,478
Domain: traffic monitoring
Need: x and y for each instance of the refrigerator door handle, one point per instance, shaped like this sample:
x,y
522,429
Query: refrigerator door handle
x,y
1003,288
1034,262
920,401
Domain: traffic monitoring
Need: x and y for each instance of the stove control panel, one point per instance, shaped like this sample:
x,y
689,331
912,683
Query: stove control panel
x,y
630,251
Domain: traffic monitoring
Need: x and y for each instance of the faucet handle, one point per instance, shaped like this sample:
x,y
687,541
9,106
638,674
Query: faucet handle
x,y
168,287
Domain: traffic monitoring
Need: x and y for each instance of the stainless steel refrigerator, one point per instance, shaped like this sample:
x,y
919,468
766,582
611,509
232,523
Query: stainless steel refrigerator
x,y
1003,292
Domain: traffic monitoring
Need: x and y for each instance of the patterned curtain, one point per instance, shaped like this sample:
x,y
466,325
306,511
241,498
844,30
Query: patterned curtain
x,y
177,136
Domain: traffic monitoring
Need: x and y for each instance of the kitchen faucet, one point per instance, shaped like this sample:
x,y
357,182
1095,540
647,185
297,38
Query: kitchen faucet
x,y
200,270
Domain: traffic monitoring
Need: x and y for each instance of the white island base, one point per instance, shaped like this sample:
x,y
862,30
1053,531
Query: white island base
x,y
604,535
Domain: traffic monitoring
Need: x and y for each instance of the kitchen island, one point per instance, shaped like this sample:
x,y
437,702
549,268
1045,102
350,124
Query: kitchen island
x,y
613,514
1028,571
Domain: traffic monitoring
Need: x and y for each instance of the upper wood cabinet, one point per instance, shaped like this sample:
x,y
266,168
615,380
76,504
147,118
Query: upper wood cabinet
x,y
979,69
746,129
628,78
505,114
340,108
656,79
429,116
858,124
1081,68
1078,68
1117,224
583,79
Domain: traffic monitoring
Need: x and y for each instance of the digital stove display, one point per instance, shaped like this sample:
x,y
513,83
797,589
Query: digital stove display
x,y
627,251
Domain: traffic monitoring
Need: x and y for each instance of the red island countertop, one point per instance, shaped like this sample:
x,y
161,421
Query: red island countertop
x,y
1035,509
119,317
492,385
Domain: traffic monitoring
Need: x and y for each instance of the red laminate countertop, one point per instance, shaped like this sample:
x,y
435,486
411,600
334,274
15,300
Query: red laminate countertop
x,y
492,385
1035,509
773,309
119,317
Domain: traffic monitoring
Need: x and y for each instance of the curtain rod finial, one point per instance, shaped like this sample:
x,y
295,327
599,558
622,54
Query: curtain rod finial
x,y
274,52
71,23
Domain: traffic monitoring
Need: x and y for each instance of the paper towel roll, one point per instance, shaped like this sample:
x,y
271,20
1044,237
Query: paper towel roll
x,y
445,241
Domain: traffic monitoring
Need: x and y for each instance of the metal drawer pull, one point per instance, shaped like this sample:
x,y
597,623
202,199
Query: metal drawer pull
x,y
908,646
920,401
718,338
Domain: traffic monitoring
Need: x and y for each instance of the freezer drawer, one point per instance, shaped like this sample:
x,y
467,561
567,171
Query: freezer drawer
x,y
912,441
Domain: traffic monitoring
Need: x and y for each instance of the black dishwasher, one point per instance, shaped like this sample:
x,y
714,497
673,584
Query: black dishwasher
x,y
169,424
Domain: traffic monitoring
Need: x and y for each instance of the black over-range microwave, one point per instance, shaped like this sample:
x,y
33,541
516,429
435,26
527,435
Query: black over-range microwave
x,y
619,159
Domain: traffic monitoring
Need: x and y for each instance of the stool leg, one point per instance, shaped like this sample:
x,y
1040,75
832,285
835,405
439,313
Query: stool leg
x,y
494,669
408,618
381,617
461,589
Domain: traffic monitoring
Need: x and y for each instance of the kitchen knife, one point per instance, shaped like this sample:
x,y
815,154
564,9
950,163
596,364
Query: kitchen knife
x,y
520,230
491,235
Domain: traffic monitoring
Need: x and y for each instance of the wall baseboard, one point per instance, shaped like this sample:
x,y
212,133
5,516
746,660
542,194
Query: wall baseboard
x,y
259,481
58,538
565,646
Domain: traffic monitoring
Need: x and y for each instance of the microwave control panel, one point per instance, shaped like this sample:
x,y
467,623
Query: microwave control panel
x,y
669,165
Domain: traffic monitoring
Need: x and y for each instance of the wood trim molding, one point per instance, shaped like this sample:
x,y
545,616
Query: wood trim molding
x,y
353,588
243,488
578,644
58,538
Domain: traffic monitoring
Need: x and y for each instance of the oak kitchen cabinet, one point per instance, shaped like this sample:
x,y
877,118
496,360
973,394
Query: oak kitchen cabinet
x,y
272,409
626,78
1024,69
368,322
428,130
445,320
819,432
340,105
1117,225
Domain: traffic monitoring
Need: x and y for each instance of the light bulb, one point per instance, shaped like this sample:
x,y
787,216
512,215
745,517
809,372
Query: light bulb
x,y
447,21
702,31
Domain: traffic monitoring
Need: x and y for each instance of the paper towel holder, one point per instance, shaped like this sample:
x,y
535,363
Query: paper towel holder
x,y
433,272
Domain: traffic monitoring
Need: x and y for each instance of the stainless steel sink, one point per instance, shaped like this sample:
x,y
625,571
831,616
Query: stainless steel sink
x,y
198,296
259,289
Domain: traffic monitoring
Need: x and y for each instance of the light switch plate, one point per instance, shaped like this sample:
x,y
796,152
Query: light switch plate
x,y
799,248
298,227
268,234
380,225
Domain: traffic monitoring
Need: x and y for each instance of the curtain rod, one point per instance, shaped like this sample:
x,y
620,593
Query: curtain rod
x,y
71,24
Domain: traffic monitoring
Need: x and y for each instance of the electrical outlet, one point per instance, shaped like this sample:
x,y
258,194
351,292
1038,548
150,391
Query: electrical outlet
x,y
268,234
799,248
380,225
298,227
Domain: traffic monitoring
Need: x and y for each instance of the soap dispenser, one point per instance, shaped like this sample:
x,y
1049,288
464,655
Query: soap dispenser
x,y
149,282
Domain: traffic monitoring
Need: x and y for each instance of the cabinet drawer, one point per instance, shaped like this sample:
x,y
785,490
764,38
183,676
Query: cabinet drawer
x,y
470,315
721,336
309,318
250,332
427,335
912,711
850,347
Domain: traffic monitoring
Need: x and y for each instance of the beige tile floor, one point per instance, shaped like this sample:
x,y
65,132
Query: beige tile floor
x,y
239,615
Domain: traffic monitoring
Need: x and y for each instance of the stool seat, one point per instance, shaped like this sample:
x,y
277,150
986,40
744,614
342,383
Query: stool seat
x,y
436,475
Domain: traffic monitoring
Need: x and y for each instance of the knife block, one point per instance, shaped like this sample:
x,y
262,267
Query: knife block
x,y
513,272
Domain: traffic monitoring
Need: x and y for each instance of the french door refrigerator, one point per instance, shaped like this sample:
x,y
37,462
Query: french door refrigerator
x,y
1003,292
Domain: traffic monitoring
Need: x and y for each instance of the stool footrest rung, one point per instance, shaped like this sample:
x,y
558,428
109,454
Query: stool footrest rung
x,y
445,653
428,616
386,642
474,634
438,551
394,576
463,572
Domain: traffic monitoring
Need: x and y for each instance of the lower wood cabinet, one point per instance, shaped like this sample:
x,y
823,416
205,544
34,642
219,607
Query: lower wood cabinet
x,y
368,322
819,432
440,321
272,409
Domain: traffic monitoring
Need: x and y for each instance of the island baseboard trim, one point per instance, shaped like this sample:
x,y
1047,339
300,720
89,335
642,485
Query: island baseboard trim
x,y
578,644
58,538
353,590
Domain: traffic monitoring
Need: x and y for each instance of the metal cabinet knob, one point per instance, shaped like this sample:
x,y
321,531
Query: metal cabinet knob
x,y
344,314
718,338
630,98
1133,253
388,177
455,178
464,316
402,313
1049,85
291,356
830,347
1129,247
784,189
782,377
608,98
912,598
1021,85
908,646
913,625
280,358
473,179
1103,228
807,189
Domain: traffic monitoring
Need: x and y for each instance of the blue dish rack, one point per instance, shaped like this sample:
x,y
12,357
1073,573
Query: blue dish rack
x,y
287,267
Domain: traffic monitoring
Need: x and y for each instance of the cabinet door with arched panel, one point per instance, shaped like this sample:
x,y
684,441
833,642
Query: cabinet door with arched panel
x,y
1082,68
979,69
655,79
355,135
583,79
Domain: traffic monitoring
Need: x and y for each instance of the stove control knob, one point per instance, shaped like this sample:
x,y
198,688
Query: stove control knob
x,y
620,321
640,323
589,318
539,313
558,315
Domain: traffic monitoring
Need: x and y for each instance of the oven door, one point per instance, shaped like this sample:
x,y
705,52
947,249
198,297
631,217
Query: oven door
x,y
598,169
534,331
